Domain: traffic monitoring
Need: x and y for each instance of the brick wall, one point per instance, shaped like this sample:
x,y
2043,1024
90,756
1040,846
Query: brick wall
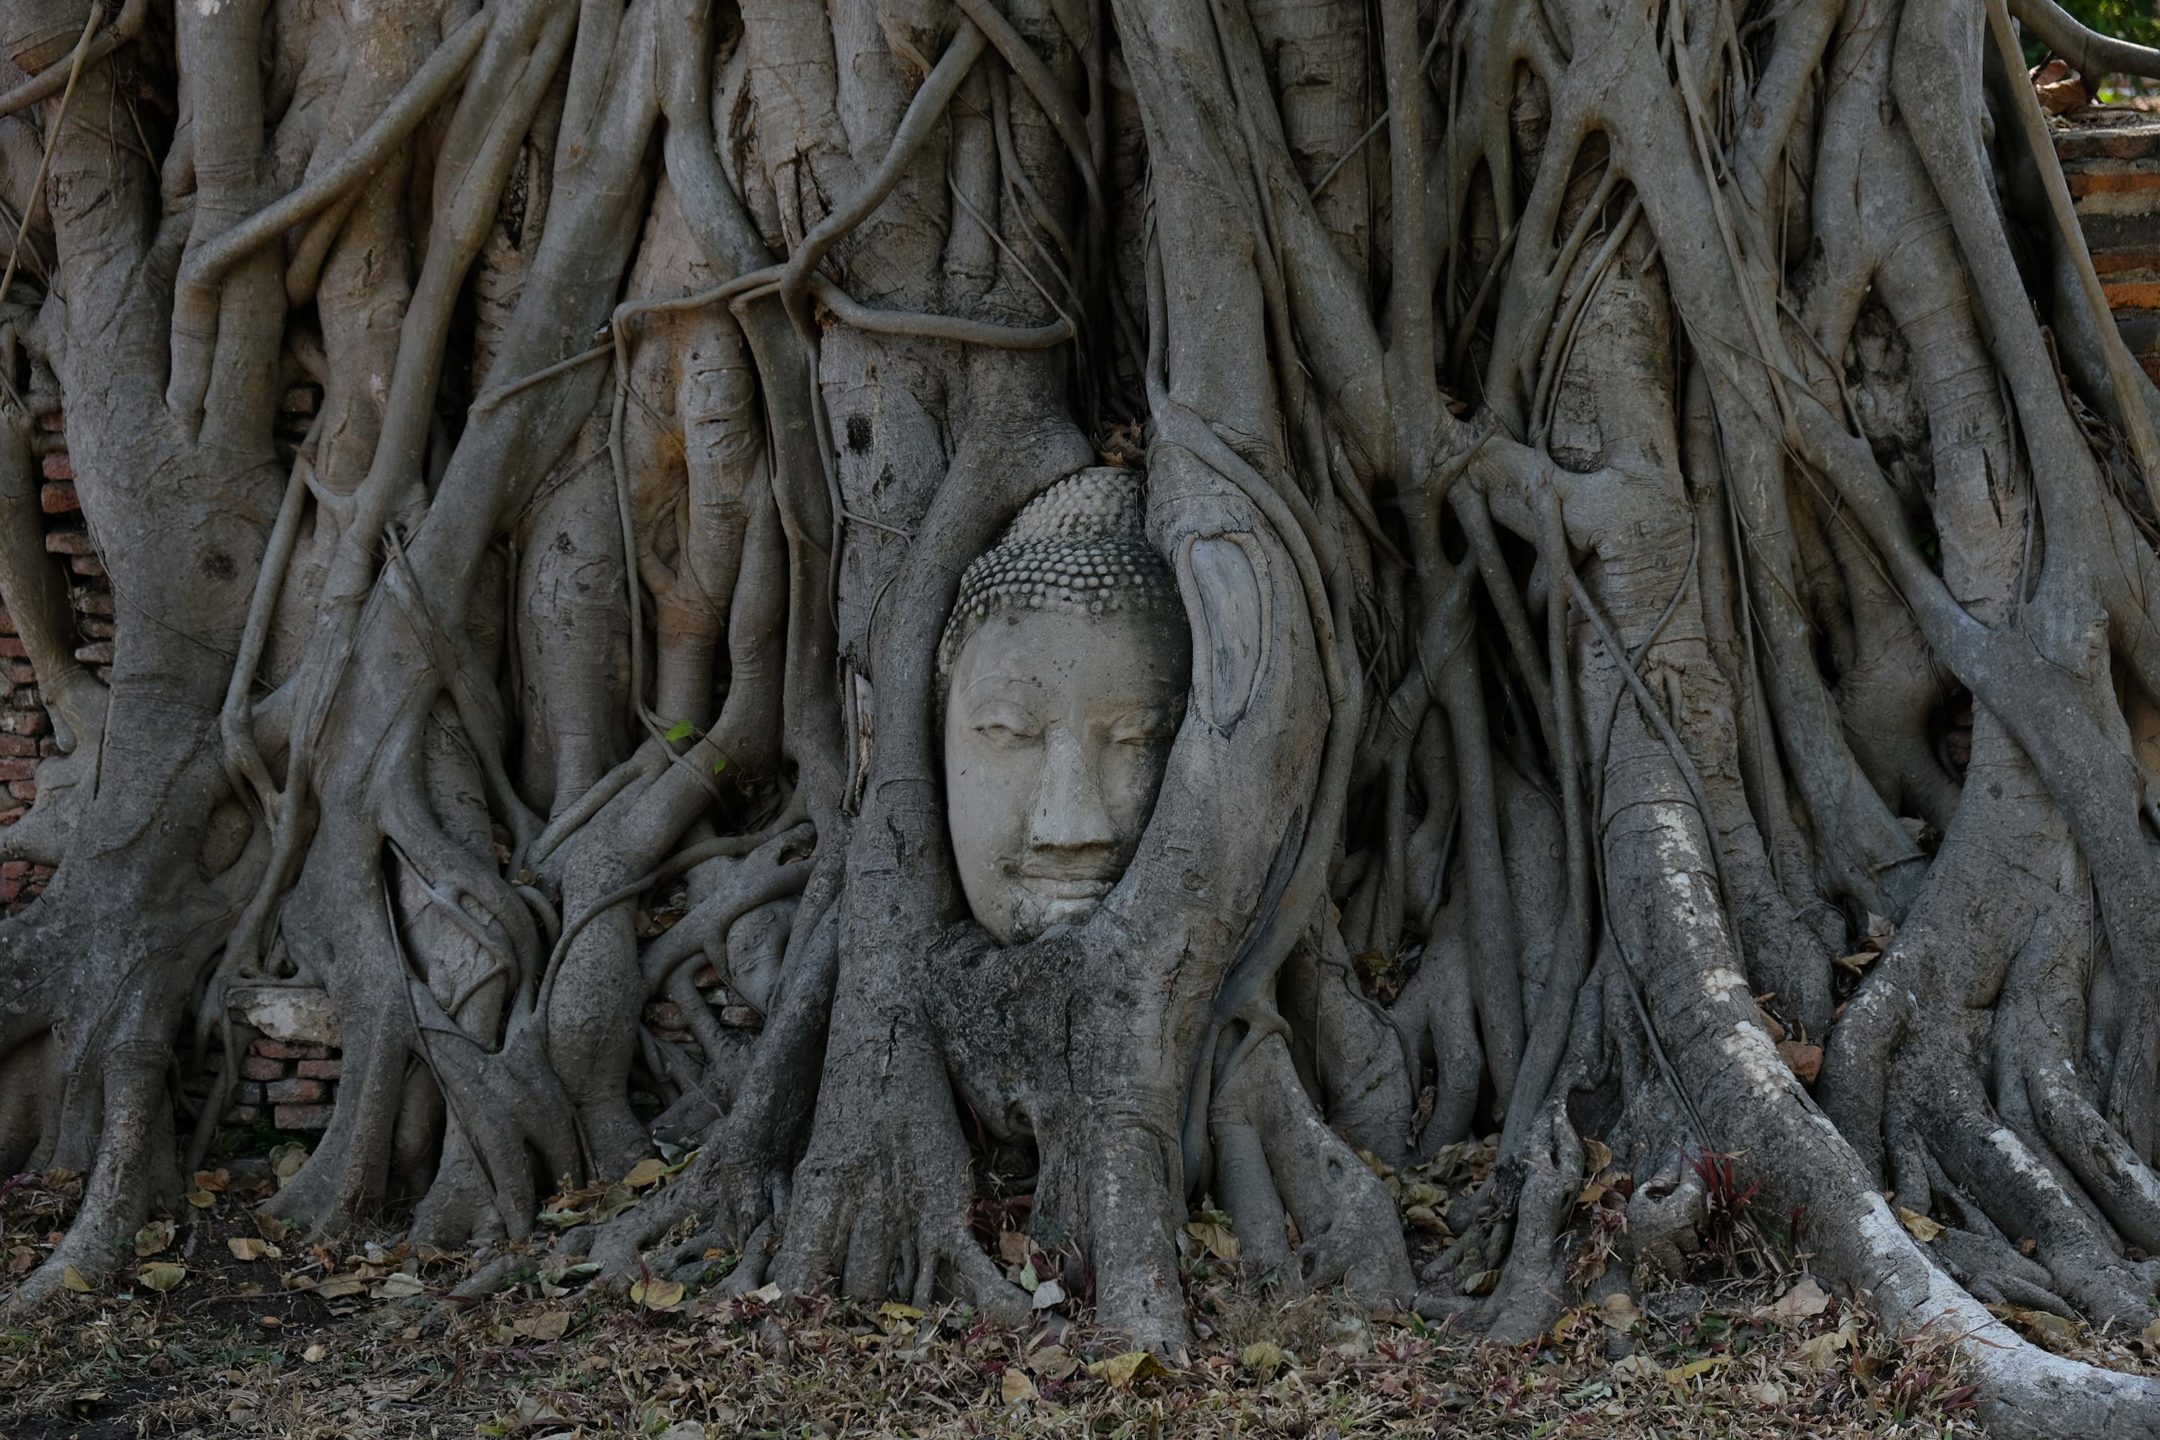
x,y
2111,159
26,735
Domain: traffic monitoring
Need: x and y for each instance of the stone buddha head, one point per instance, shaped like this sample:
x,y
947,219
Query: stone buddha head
x,y
1063,670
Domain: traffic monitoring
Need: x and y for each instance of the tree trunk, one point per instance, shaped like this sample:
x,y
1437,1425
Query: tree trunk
x,y
1598,455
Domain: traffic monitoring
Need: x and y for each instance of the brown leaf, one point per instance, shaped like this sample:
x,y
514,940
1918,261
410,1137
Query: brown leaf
x,y
162,1277
1125,1369
1805,1059
1619,1311
153,1237
1804,1301
1016,1388
547,1325
657,1294
1923,1229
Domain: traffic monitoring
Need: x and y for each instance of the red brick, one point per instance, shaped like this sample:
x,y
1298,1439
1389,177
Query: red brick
x,y
41,873
13,813
262,1067
284,1050
83,564
93,629
296,1091
20,673
58,497
52,422
57,467
97,652
319,1069
7,621
20,745
22,720
23,790
69,542
13,648
93,602
301,1117
10,891
47,747
15,767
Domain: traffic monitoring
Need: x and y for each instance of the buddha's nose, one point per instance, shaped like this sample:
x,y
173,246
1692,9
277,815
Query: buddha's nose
x,y
1069,809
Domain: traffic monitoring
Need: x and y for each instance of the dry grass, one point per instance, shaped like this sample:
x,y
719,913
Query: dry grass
x,y
358,1341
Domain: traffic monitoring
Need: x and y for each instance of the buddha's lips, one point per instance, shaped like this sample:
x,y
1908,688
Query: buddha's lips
x,y
1068,887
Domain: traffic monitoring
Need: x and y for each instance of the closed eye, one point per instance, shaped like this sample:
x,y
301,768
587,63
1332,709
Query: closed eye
x,y
1003,733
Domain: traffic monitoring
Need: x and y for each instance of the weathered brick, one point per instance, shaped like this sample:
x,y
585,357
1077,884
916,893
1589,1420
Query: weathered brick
x,y
262,1067
301,1117
287,1050
97,652
58,497
91,628
319,1069
20,745
69,541
23,790
56,466
93,601
20,673
247,1092
295,1091
13,813
14,767
13,648
23,720
85,564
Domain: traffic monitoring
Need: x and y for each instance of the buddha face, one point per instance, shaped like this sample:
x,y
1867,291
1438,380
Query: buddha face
x,y
1057,727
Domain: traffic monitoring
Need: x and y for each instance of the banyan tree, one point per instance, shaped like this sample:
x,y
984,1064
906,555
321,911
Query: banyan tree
x,y
1186,595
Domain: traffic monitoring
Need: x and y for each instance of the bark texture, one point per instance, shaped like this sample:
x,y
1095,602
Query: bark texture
x,y
1665,520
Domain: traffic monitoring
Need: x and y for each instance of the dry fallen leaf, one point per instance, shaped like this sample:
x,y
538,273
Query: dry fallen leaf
x,y
400,1286
1681,1374
1805,1059
1123,1370
246,1247
1262,1357
648,1171
153,1237
1016,1388
1923,1229
1618,1310
1218,1239
314,1353
547,1325
161,1277
657,1294
72,1279
1803,1301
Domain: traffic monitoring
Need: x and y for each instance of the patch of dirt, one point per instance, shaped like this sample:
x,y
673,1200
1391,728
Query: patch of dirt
x,y
262,1335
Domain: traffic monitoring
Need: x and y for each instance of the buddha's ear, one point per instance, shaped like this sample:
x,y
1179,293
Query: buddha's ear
x,y
1224,581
